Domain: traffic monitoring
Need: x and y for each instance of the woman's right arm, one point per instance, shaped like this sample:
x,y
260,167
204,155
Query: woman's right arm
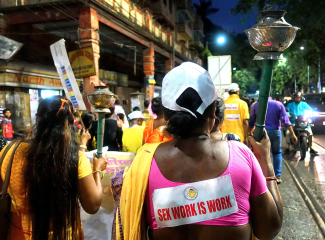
x,y
266,209
91,193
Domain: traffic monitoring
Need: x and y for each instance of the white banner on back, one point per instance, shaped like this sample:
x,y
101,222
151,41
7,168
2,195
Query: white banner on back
x,y
232,117
231,106
194,202
62,64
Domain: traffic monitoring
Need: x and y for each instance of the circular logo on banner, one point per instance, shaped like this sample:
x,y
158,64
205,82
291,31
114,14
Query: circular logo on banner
x,y
190,193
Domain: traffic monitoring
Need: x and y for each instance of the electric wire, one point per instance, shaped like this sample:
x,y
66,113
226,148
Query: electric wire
x,y
58,8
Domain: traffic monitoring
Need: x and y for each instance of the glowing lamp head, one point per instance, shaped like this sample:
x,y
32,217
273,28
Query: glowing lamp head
x,y
221,40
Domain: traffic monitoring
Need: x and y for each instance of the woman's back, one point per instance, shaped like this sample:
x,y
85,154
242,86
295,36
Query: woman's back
x,y
207,205
210,160
20,215
112,135
17,190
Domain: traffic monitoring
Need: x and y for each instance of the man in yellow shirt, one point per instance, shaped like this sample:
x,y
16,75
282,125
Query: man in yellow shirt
x,y
236,114
146,113
132,136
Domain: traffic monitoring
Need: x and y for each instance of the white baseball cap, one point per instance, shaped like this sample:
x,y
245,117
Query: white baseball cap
x,y
188,75
233,87
135,114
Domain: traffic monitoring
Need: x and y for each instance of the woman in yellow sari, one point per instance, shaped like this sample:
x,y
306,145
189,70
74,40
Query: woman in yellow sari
x,y
49,177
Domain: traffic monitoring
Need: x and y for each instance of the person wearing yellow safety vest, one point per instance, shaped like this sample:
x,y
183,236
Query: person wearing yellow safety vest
x,y
236,114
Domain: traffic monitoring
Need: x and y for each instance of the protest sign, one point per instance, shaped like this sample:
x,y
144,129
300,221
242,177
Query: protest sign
x,y
68,80
99,225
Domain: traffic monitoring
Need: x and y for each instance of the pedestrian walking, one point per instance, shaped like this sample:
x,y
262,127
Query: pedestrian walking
x,y
113,133
196,187
132,136
6,125
220,116
50,177
236,114
151,125
275,115
118,109
146,112
77,120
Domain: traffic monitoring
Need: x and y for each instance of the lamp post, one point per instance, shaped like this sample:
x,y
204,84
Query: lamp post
x,y
270,36
219,40
319,84
308,91
101,99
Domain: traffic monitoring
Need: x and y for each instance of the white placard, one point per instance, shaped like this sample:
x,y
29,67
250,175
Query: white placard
x,y
194,202
69,83
219,68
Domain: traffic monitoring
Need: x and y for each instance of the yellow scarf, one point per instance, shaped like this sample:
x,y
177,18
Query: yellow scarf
x,y
135,182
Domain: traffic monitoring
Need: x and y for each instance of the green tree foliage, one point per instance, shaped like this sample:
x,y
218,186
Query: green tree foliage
x,y
244,78
294,69
205,10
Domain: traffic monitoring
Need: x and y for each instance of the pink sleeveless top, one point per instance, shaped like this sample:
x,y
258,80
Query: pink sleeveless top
x,y
246,176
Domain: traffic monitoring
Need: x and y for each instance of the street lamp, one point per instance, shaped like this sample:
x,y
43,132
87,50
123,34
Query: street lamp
x,y
282,61
303,48
221,40
270,36
101,99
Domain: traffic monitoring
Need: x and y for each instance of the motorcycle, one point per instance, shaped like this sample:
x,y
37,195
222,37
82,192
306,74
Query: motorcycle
x,y
300,128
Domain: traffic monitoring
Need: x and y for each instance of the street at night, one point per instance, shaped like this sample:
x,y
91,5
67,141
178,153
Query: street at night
x,y
303,193
162,119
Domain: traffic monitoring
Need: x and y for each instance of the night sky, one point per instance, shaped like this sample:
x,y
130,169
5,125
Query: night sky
x,y
228,21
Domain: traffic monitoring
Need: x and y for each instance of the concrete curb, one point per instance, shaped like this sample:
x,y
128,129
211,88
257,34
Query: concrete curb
x,y
314,208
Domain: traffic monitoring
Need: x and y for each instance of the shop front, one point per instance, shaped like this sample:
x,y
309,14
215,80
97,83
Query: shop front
x,y
21,91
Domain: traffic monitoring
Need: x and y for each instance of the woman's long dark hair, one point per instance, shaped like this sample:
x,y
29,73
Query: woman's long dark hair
x,y
157,107
51,174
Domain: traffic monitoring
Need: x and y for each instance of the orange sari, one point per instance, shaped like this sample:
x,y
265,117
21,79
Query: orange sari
x,y
148,130
157,137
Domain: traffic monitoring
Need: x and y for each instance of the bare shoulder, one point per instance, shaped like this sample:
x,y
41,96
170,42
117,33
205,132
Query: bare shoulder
x,y
164,150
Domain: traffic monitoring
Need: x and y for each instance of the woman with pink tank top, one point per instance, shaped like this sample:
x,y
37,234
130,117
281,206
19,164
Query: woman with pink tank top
x,y
201,188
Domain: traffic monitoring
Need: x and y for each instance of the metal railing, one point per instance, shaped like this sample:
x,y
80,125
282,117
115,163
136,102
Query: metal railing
x,y
185,28
160,8
186,5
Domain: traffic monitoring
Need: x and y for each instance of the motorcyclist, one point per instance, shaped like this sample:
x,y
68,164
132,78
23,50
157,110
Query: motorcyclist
x,y
297,108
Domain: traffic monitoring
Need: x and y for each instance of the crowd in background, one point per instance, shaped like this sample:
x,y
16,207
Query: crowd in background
x,y
187,130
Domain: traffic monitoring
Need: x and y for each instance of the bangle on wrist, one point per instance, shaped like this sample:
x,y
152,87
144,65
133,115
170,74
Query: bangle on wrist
x,y
270,178
83,146
100,172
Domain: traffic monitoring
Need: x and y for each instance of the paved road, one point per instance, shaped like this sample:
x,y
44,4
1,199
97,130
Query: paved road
x,y
298,222
319,136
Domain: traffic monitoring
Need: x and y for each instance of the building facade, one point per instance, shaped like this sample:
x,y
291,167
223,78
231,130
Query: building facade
x,y
131,42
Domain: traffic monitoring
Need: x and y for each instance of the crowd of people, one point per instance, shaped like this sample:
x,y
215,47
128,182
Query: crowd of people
x,y
198,173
